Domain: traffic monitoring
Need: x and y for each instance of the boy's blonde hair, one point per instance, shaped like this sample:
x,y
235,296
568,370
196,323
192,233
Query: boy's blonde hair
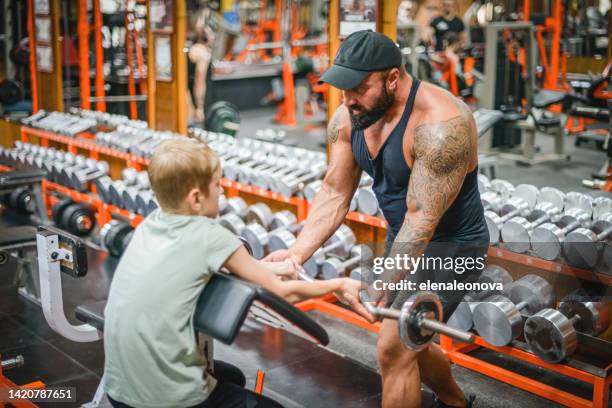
x,y
179,165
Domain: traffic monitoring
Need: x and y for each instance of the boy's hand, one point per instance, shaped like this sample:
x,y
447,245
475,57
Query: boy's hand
x,y
285,270
349,295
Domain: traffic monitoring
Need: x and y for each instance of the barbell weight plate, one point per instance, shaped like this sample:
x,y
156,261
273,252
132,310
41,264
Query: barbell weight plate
x,y
3,257
418,306
497,320
550,335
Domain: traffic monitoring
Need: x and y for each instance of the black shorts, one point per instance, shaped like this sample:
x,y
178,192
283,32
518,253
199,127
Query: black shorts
x,y
457,252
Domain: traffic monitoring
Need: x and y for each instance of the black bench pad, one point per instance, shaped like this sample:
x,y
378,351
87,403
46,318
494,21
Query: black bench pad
x,y
222,308
20,235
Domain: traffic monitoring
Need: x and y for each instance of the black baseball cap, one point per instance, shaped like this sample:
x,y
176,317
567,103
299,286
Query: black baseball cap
x,y
359,54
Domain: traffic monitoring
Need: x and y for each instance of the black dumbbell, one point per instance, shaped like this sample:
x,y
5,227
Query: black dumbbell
x,y
76,218
116,235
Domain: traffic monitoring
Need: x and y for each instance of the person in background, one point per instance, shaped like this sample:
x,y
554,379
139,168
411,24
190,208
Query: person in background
x,y
447,22
199,69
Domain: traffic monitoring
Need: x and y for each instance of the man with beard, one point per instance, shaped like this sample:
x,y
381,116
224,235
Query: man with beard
x,y
419,143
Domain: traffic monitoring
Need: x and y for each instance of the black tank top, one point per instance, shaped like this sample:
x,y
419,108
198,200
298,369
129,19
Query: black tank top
x,y
463,221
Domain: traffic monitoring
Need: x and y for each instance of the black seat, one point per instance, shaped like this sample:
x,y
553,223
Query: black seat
x,y
92,314
19,177
17,236
222,308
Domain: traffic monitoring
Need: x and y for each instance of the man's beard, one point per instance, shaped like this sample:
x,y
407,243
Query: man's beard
x,y
369,117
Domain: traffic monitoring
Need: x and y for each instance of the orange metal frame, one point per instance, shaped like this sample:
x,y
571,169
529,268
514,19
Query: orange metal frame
x,y
83,33
99,80
32,45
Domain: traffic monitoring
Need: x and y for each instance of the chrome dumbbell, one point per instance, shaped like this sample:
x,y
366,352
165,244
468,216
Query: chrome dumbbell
x,y
547,239
516,232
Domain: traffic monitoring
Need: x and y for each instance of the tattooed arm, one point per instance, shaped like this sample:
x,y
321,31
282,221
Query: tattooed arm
x,y
441,160
331,204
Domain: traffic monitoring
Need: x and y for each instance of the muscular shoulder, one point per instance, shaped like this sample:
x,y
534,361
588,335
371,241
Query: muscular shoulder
x,y
339,125
443,144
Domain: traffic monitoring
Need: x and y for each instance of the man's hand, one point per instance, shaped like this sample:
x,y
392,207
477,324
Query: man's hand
x,y
198,115
349,295
282,255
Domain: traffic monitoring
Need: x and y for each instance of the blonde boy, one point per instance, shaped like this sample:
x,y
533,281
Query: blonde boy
x,y
152,359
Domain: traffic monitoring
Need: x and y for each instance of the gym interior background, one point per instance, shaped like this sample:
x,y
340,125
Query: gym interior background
x,y
90,87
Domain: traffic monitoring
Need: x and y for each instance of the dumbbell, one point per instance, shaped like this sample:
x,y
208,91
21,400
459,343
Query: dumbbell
x,y
516,233
65,172
115,236
259,213
20,199
80,179
462,318
521,203
259,239
145,202
491,201
552,334
130,194
265,178
117,187
367,202
339,245
233,220
58,163
503,188
334,267
251,175
311,189
291,183
419,320
547,239
232,164
499,319
76,218
237,206
102,188
582,247
484,184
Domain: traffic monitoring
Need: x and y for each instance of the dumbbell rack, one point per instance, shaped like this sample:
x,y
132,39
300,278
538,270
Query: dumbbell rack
x,y
458,353
599,377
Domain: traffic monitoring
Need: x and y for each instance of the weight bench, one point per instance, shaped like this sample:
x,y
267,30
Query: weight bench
x,y
11,181
62,252
17,242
